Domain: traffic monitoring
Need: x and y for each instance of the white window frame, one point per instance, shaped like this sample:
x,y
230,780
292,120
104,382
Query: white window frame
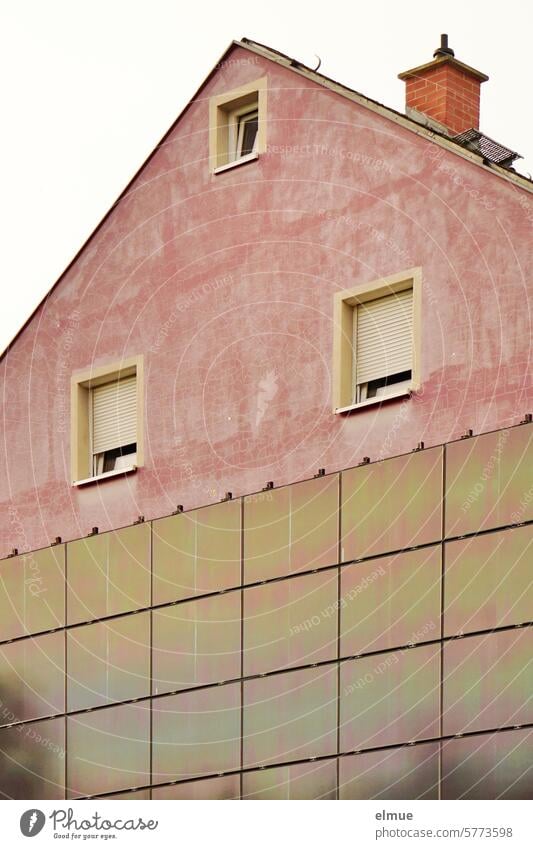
x,y
236,130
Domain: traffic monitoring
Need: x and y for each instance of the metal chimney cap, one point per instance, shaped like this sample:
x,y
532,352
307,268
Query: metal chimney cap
x,y
443,50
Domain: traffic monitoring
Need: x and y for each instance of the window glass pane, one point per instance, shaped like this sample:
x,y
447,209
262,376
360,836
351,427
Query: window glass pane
x,y
291,529
390,698
290,716
32,678
488,681
198,642
32,593
391,601
406,490
108,574
408,773
488,480
249,132
108,750
488,582
489,766
108,662
197,733
32,760
291,622
316,780
197,552
227,787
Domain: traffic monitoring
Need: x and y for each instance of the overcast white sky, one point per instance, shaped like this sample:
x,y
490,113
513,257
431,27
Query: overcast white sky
x,y
90,87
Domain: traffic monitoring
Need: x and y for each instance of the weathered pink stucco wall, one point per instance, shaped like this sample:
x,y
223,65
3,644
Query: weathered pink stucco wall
x,y
225,283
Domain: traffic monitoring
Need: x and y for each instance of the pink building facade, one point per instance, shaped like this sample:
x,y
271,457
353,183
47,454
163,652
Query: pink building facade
x,y
360,629
224,283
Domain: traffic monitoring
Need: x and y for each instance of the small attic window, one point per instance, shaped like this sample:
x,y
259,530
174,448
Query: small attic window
x,y
237,132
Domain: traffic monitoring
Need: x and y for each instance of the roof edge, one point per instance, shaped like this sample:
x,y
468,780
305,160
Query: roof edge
x,y
388,112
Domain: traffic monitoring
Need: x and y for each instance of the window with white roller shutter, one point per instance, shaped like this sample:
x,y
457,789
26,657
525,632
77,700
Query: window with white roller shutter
x,y
383,345
106,421
113,421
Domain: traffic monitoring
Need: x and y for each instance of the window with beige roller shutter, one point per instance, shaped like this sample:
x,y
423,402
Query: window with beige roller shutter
x,y
383,345
114,424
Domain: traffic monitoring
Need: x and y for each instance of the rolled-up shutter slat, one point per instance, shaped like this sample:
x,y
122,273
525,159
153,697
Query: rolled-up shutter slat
x,y
384,336
114,411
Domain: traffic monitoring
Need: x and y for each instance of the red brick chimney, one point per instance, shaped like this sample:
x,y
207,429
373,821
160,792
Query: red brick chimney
x,y
445,91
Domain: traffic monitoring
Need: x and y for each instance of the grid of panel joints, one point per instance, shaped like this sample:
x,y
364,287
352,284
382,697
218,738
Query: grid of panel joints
x,y
365,542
